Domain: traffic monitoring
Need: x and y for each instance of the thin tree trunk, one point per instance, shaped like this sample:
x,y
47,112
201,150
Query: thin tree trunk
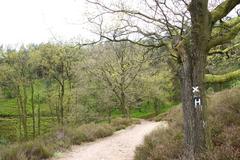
x,y
58,106
39,116
156,104
61,102
22,103
25,129
109,114
33,110
62,92
19,114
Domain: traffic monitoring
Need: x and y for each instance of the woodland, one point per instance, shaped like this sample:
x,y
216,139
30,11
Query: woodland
x,y
155,57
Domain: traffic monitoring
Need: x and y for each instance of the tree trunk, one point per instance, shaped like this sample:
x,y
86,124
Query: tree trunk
x,y
39,116
123,105
33,110
193,60
156,105
109,113
24,107
61,102
19,114
58,106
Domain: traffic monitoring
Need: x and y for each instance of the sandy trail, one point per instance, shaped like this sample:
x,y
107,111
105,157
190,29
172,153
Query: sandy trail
x,y
120,146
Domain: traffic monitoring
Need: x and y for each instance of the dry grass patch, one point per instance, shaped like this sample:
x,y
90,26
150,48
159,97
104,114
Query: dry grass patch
x,y
28,151
90,132
224,122
163,144
60,139
121,123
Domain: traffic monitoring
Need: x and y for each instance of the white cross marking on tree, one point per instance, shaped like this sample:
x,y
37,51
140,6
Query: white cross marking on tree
x,y
195,89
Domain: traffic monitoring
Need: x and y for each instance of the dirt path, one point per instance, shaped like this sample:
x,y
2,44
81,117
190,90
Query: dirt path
x,y
120,146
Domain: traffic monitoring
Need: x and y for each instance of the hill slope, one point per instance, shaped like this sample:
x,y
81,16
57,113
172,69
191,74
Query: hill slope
x,y
224,128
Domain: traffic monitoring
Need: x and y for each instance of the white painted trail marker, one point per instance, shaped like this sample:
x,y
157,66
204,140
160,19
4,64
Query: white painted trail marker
x,y
195,89
196,97
197,101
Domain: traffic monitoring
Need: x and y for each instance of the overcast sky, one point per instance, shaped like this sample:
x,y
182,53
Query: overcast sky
x,y
36,21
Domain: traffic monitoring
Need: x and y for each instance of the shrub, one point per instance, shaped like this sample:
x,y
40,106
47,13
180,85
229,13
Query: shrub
x,y
224,124
166,143
28,151
59,139
156,146
121,123
90,132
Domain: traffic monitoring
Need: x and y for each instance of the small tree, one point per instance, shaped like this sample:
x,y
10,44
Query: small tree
x,y
117,65
14,73
58,61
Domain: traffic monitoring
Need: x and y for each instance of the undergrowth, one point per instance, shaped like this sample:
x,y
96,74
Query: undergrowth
x,y
224,124
60,139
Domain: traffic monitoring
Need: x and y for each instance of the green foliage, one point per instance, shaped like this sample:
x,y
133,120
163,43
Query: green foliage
x,y
87,95
82,114
9,127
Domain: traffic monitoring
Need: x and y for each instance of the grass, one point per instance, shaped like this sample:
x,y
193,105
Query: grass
x,y
8,106
9,114
146,112
9,125
9,128
224,124
60,139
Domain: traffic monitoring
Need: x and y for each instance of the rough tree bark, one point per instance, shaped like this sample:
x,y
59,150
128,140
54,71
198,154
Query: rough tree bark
x,y
193,57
